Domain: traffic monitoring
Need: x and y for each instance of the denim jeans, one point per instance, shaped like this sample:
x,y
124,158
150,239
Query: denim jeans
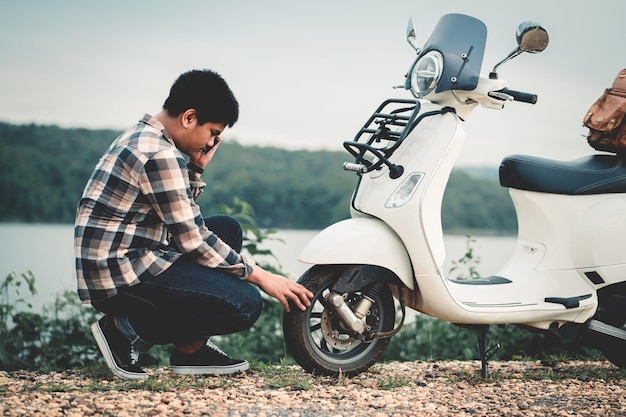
x,y
187,302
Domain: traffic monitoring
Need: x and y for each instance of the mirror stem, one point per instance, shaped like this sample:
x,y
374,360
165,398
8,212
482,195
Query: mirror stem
x,y
493,74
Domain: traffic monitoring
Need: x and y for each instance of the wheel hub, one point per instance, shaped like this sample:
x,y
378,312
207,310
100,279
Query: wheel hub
x,y
334,335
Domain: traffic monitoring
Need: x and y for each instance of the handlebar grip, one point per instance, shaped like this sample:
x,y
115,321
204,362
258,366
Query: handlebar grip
x,y
350,166
521,96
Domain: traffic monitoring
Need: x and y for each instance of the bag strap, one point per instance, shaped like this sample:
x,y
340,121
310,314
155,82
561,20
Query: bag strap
x,y
616,92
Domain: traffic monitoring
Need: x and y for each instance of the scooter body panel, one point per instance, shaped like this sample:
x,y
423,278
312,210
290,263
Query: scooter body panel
x,y
430,150
559,238
582,231
438,297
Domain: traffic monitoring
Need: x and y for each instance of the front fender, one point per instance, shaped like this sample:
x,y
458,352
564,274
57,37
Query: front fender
x,y
364,241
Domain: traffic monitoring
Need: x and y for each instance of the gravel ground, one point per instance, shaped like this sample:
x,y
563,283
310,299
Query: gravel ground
x,y
449,388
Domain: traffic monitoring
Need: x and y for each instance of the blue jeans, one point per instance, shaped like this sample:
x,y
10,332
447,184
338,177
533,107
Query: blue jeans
x,y
187,302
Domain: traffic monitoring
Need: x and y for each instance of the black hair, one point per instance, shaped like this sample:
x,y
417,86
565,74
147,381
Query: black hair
x,y
207,93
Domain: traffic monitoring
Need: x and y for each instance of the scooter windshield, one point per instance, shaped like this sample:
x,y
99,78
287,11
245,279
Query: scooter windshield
x,y
461,40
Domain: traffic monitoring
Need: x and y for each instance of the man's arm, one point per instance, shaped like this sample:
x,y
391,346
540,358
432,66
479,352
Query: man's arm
x,y
182,215
165,183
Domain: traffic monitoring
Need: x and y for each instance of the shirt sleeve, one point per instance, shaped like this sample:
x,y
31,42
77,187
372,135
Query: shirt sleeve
x,y
196,184
165,183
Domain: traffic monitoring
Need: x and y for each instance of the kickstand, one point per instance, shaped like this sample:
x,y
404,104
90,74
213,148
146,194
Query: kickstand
x,y
485,353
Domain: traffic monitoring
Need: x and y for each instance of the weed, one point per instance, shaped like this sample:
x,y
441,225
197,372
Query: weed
x,y
392,382
286,377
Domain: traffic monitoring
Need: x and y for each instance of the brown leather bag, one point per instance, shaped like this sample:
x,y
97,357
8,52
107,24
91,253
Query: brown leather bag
x,y
605,119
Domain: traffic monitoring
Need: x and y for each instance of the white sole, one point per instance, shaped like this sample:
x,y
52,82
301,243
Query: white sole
x,y
108,355
210,370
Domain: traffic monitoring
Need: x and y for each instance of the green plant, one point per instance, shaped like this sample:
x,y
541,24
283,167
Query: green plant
x,y
10,286
60,338
392,382
263,341
13,344
466,267
254,237
286,377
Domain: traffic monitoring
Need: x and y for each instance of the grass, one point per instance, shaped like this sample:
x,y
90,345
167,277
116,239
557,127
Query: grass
x,y
287,377
393,382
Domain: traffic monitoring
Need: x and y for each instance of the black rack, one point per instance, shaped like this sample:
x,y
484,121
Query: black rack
x,y
383,133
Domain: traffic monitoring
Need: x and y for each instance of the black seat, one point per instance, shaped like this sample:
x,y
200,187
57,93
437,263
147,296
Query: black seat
x,y
594,174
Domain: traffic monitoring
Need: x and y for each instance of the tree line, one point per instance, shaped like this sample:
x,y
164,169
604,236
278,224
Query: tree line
x,y
43,170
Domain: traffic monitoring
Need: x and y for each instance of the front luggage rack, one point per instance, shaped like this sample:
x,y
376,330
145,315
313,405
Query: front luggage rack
x,y
381,135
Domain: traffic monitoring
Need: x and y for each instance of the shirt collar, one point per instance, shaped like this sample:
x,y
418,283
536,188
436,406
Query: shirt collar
x,y
157,125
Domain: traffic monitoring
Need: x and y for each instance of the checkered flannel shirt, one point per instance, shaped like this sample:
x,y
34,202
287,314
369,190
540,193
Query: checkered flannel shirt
x,y
137,215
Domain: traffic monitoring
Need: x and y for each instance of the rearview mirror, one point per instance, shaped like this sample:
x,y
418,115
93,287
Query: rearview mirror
x,y
411,36
531,37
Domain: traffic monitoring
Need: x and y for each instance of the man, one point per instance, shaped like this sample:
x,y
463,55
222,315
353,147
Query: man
x,y
146,257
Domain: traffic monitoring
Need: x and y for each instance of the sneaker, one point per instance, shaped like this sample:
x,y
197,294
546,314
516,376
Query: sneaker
x,y
208,360
118,353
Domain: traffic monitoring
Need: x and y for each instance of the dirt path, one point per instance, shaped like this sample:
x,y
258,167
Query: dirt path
x,y
395,389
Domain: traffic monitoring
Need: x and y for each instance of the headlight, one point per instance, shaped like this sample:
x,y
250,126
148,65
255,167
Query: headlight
x,y
426,74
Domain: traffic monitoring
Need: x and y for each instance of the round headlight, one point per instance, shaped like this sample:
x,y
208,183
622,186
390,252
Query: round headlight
x,y
426,73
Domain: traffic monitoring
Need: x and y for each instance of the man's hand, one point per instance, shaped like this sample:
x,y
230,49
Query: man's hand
x,y
203,157
281,288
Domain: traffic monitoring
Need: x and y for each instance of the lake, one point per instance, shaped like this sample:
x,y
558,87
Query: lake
x,y
47,251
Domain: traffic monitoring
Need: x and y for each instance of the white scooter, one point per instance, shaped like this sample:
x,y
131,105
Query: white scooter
x,y
567,273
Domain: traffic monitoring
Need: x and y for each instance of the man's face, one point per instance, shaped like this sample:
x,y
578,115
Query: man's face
x,y
197,138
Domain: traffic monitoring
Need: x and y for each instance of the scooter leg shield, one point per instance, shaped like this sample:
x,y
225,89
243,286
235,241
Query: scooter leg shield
x,y
361,241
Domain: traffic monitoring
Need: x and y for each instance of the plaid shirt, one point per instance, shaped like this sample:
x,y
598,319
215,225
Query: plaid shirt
x,y
137,215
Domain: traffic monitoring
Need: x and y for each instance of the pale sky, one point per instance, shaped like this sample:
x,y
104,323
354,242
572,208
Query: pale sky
x,y
306,74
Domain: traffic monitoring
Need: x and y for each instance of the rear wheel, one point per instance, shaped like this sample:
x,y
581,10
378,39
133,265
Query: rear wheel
x,y
318,341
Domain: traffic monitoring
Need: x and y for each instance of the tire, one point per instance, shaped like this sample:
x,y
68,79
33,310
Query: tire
x,y
303,330
615,353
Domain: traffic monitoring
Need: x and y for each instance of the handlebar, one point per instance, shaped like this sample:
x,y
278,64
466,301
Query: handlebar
x,y
515,95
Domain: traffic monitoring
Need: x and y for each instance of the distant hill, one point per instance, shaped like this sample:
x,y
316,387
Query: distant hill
x,y
43,170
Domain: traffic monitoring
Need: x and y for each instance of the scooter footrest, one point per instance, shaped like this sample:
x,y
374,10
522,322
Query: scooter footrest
x,y
571,302
494,279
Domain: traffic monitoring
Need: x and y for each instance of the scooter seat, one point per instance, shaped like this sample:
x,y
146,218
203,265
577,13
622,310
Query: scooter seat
x,y
594,174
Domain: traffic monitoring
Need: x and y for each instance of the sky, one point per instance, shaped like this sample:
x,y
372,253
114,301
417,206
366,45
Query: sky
x,y
307,75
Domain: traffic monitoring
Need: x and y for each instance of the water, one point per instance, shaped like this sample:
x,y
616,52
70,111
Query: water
x,y
44,249
47,251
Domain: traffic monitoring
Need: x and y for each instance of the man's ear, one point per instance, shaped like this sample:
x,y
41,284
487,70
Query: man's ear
x,y
188,117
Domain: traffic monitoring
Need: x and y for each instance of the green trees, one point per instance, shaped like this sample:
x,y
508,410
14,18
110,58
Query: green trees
x,y
43,170
288,189
472,203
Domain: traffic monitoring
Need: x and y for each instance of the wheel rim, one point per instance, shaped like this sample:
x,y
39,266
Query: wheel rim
x,y
329,341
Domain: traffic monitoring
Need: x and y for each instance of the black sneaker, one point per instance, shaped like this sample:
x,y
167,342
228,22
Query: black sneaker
x,y
208,360
117,351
